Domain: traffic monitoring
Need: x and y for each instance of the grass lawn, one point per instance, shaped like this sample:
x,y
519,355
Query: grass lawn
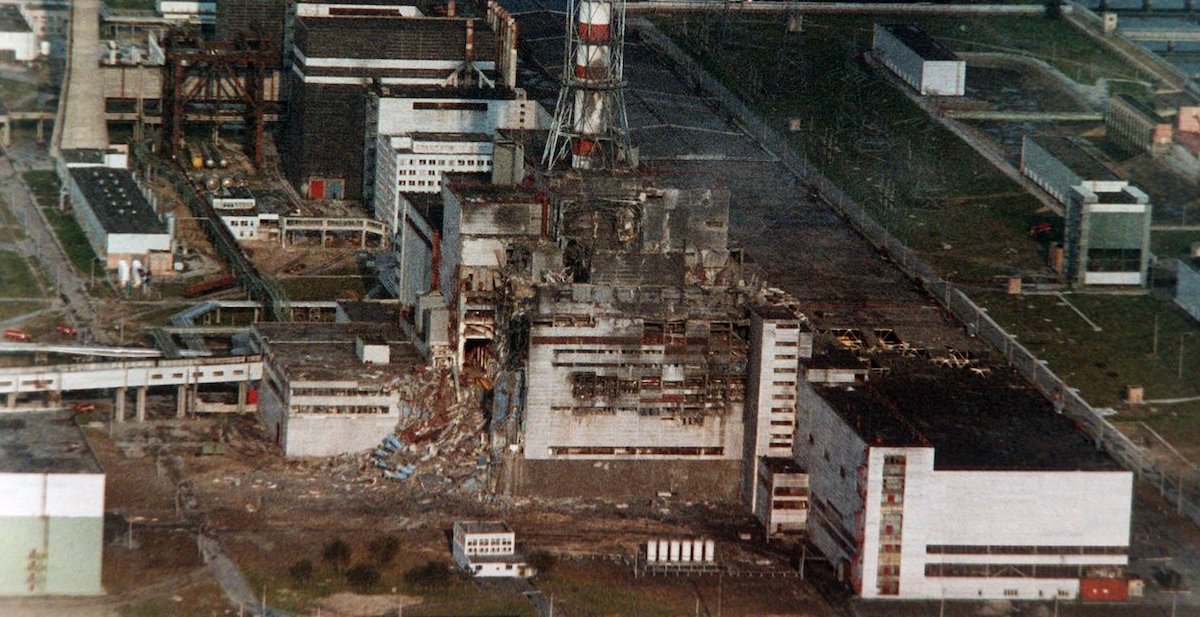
x,y
9,228
73,240
44,185
11,91
1102,363
456,596
16,280
9,310
1167,244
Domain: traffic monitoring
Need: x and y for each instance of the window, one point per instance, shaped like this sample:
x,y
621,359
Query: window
x,y
1011,593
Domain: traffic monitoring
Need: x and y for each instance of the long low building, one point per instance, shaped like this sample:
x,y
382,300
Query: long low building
x,y
922,62
1057,163
118,219
931,482
52,512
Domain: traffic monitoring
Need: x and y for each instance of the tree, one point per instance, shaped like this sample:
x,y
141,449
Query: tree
x,y
337,554
1053,9
432,574
301,571
383,550
542,561
363,576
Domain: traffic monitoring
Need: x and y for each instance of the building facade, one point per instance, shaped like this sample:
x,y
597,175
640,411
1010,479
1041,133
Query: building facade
x,y
334,60
781,499
921,487
1058,164
330,389
52,514
634,373
1135,125
488,549
1106,234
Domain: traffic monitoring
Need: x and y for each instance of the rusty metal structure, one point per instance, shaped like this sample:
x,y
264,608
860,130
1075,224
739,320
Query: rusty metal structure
x,y
225,79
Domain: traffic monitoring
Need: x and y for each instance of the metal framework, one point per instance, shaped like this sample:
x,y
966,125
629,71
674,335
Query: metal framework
x,y
590,122
226,79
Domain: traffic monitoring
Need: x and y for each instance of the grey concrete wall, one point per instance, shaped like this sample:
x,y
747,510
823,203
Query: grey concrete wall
x,y
687,480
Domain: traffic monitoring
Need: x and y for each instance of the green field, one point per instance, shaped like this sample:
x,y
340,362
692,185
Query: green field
x,y
71,235
1168,244
16,279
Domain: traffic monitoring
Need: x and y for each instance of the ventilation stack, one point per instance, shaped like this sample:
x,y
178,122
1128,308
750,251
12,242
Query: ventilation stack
x,y
590,123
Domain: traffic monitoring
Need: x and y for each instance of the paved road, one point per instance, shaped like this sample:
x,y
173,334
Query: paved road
x,y
41,244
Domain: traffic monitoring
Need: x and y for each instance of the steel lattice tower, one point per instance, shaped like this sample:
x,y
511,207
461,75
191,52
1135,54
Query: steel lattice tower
x,y
590,121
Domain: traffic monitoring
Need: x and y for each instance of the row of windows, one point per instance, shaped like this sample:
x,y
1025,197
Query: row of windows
x,y
982,570
980,549
445,161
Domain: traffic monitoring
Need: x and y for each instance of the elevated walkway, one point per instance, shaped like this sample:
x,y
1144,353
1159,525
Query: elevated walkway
x,y
129,373
79,350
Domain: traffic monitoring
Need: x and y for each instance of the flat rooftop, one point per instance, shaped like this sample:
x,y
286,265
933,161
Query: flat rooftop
x,y
11,19
781,464
975,420
429,206
485,527
411,38
653,301
1071,154
476,188
920,42
325,351
117,201
44,442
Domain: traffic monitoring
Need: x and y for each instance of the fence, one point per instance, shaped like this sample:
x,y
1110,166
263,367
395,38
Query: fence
x,y
1104,433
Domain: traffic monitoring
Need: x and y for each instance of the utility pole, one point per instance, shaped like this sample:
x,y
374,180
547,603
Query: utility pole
x,y
1155,348
1180,364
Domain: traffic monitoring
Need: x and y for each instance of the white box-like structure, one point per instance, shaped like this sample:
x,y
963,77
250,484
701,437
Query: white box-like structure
x,y
412,141
956,485
923,63
488,549
18,41
52,512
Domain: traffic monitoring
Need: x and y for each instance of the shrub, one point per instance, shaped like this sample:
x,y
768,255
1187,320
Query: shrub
x,y
383,550
432,574
301,571
337,554
362,576
542,561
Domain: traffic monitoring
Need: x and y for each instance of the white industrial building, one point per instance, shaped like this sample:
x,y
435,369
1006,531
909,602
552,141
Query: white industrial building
x,y
242,214
781,497
331,388
18,41
932,482
1057,164
779,341
189,11
923,63
118,217
1106,234
488,549
414,136
52,512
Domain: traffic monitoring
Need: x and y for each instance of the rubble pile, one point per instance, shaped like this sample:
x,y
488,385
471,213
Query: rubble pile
x,y
440,442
